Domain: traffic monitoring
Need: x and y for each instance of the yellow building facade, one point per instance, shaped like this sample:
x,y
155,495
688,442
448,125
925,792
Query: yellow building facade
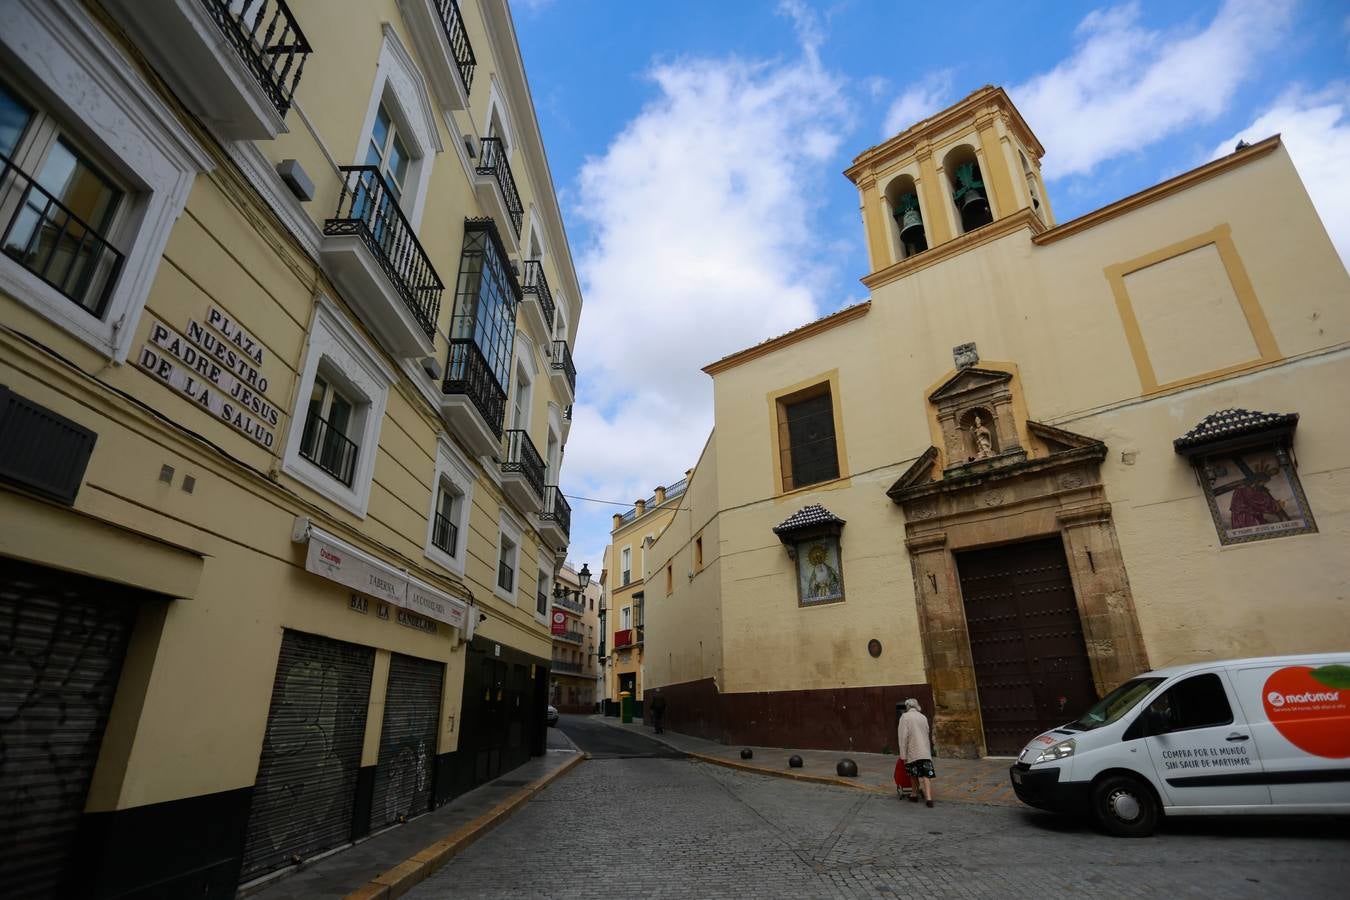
x,y
625,587
1040,458
574,624
286,308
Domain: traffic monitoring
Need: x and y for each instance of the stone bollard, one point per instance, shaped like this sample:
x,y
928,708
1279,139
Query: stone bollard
x,y
847,768
747,753
794,761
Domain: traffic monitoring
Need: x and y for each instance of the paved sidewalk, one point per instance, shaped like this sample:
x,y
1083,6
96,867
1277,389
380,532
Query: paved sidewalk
x,y
392,861
965,780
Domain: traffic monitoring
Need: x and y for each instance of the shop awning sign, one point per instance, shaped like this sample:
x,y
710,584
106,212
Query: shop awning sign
x,y
332,558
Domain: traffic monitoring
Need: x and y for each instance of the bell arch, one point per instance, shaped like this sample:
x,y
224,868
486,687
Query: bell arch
x,y
909,237
970,197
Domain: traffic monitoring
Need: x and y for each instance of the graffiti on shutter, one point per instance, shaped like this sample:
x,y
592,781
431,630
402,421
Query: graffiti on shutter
x,y
412,709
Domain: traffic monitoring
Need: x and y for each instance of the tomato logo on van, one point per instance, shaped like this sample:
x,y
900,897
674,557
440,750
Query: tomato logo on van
x,y
1311,708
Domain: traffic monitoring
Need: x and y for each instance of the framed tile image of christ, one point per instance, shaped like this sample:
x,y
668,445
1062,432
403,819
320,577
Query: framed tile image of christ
x,y
820,577
1255,494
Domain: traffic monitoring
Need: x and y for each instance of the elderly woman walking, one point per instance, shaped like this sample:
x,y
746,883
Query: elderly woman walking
x,y
917,750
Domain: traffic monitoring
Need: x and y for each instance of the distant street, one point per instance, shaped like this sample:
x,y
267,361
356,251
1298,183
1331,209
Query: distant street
x,y
638,821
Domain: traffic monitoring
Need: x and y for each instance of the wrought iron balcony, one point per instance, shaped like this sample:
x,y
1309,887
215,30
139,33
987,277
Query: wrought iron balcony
x,y
268,39
555,519
560,665
623,638
56,245
460,48
467,372
523,470
235,63
329,449
566,602
563,367
494,167
575,637
445,534
535,283
567,413
403,305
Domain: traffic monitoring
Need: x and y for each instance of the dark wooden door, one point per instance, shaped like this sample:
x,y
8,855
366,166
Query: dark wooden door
x,y
1031,666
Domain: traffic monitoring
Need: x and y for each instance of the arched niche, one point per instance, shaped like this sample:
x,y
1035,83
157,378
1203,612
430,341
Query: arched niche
x,y
965,180
909,234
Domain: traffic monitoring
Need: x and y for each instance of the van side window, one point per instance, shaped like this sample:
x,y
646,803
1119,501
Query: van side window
x,y
1198,702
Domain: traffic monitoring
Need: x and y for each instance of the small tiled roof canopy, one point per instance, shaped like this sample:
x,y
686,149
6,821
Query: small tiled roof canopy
x,y
809,519
1226,425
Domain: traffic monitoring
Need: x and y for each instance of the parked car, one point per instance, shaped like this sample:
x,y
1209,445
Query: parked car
x,y
1248,736
552,715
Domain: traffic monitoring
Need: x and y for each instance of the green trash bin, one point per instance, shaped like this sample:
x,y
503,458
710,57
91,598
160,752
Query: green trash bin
x,y
625,707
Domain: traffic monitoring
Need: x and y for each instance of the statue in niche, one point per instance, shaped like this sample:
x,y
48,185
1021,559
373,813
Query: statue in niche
x,y
981,438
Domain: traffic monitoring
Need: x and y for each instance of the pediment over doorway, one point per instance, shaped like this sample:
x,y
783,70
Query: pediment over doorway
x,y
969,380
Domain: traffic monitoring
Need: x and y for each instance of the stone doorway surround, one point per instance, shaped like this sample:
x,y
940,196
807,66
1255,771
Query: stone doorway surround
x,y
1052,487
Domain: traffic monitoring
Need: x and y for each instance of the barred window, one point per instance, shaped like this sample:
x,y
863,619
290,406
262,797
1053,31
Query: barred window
x,y
807,448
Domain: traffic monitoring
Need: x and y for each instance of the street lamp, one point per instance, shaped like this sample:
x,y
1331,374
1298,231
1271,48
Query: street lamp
x,y
584,576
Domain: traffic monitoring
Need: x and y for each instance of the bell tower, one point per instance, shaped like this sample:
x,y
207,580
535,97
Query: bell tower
x,y
950,175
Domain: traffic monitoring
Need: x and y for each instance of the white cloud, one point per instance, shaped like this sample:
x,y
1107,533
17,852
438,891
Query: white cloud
x,y
1126,86
1315,129
701,242
931,94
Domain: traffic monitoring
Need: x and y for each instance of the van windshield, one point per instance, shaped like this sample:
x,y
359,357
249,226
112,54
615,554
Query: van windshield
x,y
1114,705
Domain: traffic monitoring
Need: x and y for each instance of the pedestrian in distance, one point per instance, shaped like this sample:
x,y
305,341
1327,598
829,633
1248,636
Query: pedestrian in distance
x,y
659,712
917,749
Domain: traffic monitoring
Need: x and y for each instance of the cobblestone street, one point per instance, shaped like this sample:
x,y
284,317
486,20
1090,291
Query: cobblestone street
x,y
622,825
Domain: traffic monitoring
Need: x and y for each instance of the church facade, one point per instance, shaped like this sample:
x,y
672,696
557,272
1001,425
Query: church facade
x,y
1041,457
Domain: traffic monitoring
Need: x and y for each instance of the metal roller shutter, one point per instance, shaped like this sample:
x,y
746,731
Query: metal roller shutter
x,y
412,711
62,642
306,785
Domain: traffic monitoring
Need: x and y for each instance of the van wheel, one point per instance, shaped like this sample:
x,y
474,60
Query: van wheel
x,y
1124,806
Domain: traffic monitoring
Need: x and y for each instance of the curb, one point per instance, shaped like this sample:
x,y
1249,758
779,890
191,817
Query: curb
x,y
760,770
408,874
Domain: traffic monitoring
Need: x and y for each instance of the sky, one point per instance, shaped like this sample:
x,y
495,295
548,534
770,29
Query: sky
x,y
697,149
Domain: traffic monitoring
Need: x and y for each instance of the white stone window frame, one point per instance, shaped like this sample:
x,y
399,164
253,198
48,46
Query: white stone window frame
x,y
510,528
359,372
497,104
526,362
400,87
554,435
453,471
82,80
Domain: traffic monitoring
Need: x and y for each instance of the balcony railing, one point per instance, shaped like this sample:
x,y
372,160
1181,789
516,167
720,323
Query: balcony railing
x,y
458,37
56,245
557,509
268,39
492,161
623,638
329,449
368,208
641,634
562,362
627,577
445,534
575,637
535,283
566,602
560,665
467,372
521,458
567,413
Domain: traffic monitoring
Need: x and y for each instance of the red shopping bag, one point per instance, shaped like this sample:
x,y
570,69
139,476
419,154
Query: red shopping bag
x,y
902,780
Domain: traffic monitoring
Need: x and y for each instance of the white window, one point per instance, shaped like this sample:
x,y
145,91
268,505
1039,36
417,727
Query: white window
x,y
626,618
451,503
522,399
335,431
96,172
626,566
508,557
399,135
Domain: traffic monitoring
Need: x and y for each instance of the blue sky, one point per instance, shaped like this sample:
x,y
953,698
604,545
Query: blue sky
x,y
697,149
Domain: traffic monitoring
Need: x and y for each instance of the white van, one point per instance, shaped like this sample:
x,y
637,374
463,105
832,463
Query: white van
x,y
1262,736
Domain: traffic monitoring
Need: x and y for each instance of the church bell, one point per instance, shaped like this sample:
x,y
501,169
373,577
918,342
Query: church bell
x,y
911,223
